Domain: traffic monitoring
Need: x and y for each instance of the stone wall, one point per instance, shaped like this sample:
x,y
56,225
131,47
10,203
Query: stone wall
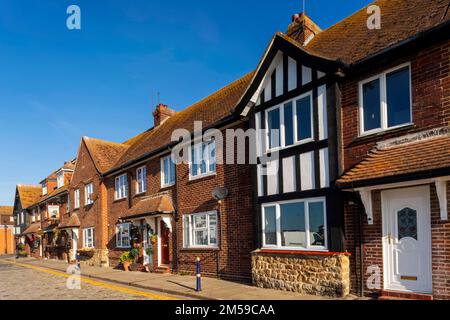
x,y
97,258
324,275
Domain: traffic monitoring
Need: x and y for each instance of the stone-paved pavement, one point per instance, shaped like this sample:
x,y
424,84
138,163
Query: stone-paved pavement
x,y
172,284
21,283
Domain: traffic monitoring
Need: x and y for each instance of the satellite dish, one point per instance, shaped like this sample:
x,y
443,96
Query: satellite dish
x,y
220,193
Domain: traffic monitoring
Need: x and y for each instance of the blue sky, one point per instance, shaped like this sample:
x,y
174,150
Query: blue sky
x,y
102,81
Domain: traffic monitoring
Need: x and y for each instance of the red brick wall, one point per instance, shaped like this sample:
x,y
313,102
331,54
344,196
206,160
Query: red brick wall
x,y
85,172
430,94
117,208
236,217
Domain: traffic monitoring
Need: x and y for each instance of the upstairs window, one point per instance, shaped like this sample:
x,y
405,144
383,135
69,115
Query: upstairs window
x,y
121,187
290,123
203,159
88,194
76,195
385,100
141,180
167,172
44,189
60,180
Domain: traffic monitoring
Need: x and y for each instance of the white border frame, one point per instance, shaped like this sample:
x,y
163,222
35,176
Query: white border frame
x,y
190,245
129,234
308,247
294,119
137,180
163,185
116,193
208,173
383,101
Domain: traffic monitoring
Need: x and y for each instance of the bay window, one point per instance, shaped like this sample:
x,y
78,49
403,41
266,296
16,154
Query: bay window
x,y
200,230
290,123
123,238
299,224
141,180
203,159
385,100
121,191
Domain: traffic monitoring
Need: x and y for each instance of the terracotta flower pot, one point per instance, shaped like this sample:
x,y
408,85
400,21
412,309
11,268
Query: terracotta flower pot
x,y
126,266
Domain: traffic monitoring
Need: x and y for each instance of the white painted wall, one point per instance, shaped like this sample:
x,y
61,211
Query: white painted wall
x,y
324,168
307,171
272,177
289,181
322,112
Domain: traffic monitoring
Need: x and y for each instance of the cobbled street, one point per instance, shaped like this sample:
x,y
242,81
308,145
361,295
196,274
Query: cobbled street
x,y
21,283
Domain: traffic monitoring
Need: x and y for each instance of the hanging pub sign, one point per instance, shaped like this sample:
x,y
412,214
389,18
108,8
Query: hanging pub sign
x,y
53,212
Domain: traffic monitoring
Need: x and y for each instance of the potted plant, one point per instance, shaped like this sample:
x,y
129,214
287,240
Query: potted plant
x,y
126,260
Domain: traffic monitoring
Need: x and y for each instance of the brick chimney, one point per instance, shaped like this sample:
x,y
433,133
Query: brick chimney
x,y
162,113
302,29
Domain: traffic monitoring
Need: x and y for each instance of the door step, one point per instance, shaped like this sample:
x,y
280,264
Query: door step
x,y
398,295
162,269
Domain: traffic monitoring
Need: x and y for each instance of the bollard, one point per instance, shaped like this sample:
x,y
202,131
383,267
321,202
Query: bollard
x,y
199,277
78,261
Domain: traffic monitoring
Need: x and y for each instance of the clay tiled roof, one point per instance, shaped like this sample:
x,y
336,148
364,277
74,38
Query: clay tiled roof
x,y
422,156
28,194
350,40
149,206
50,195
73,222
104,153
32,228
210,110
6,210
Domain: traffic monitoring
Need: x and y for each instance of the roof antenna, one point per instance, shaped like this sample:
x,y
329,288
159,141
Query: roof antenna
x,y
304,7
159,97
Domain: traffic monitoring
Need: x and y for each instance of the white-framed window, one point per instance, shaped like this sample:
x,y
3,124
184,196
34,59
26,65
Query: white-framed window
x,y
53,211
290,123
33,215
203,159
39,214
295,225
44,188
68,203
121,191
88,194
200,230
385,100
60,179
167,172
88,238
141,180
11,219
76,195
123,237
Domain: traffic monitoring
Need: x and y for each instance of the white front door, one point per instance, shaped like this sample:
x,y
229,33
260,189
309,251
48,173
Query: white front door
x,y
407,239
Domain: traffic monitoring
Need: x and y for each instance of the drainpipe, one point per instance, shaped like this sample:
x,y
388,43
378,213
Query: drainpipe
x,y
219,220
361,252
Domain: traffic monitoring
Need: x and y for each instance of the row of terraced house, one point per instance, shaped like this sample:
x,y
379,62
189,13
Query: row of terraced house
x,y
356,201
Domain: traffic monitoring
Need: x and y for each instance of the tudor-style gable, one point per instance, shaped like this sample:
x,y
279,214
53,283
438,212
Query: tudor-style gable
x,y
292,103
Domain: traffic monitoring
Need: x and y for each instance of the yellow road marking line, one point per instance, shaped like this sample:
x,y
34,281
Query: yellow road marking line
x,y
96,283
